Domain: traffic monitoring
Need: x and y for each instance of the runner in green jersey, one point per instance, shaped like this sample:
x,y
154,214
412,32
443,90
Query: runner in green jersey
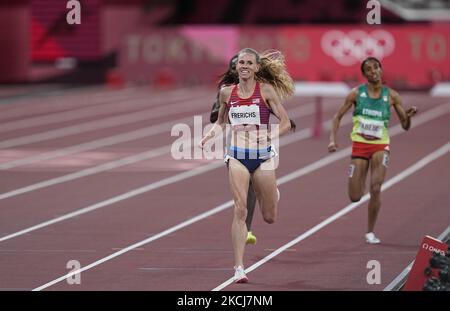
x,y
370,136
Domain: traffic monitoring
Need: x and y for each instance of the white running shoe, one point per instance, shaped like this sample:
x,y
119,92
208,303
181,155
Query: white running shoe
x,y
371,238
278,195
239,275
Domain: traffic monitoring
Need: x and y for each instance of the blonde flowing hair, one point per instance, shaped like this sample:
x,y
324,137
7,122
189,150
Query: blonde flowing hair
x,y
273,71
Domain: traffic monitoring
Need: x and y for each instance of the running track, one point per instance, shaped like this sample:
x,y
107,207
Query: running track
x,y
87,175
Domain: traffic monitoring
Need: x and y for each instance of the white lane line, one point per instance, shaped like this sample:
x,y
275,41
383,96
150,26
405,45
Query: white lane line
x,y
117,104
185,269
96,106
229,204
388,184
47,250
139,244
98,143
42,104
68,99
395,130
104,123
306,133
124,196
297,112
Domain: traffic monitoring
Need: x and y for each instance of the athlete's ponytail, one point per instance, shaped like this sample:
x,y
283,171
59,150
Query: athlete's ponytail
x,y
273,71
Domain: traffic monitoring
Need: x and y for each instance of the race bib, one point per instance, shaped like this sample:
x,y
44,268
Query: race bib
x,y
244,115
370,128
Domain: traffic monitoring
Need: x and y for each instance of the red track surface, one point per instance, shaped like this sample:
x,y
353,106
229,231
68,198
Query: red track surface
x,y
199,255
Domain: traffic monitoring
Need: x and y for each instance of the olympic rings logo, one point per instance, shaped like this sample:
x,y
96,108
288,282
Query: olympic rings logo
x,y
351,48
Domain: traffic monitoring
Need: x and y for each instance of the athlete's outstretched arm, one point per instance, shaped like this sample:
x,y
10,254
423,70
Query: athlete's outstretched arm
x,y
403,116
350,100
224,95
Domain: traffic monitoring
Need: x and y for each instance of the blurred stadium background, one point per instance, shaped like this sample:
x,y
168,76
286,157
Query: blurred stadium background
x,y
174,42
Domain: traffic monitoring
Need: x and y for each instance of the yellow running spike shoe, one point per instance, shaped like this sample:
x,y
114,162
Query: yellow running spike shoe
x,y
251,238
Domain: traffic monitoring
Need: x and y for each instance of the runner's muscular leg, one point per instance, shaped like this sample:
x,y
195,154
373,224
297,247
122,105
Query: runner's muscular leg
x,y
378,168
265,186
357,178
251,204
239,178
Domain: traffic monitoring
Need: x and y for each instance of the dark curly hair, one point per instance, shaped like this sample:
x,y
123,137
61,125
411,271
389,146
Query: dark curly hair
x,y
230,76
